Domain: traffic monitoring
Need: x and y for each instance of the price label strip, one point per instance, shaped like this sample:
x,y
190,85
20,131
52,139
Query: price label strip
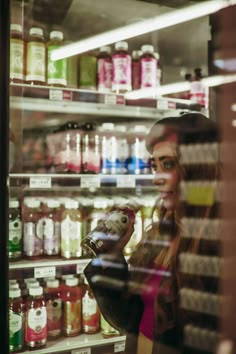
x,y
125,182
44,272
119,346
40,182
90,182
81,351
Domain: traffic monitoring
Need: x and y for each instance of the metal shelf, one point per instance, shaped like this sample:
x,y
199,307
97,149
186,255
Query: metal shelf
x,y
28,264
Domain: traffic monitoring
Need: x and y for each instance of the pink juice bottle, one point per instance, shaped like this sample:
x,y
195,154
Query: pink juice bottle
x,y
136,74
121,61
148,64
104,71
91,151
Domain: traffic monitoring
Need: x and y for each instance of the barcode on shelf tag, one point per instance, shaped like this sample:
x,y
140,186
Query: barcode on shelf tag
x,y
125,182
119,347
44,272
80,268
162,104
90,182
110,99
81,351
56,95
40,182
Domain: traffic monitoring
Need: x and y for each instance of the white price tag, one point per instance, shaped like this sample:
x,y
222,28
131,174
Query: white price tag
x,y
125,181
44,272
162,104
119,347
56,95
110,99
80,268
90,182
40,182
81,351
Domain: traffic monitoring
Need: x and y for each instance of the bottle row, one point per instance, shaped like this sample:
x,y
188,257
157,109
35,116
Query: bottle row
x,y
52,226
83,148
54,308
201,338
31,62
208,266
211,229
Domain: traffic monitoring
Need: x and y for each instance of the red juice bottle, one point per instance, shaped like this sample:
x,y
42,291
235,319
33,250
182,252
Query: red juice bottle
x,y
104,71
16,320
36,319
90,313
136,69
121,62
54,308
148,64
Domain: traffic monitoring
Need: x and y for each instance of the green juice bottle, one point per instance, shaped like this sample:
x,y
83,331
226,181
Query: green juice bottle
x,y
16,321
56,70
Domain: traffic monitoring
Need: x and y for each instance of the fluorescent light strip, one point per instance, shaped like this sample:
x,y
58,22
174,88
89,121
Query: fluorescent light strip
x,y
136,29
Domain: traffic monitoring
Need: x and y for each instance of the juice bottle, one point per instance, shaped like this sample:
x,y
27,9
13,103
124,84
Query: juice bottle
x,y
15,230
72,307
159,69
104,70
71,230
136,69
16,320
140,158
91,155
90,313
72,70
121,62
51,228
88,72
75,156
54,308
56,69
109,149
36,58
148,65
122,149
36,319
107,330
16,54
32,236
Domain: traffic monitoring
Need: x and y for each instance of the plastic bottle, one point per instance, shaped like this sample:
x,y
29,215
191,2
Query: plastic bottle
x,y
88,72
121,62
110,229
54,308
36,58
16,320
72,307
198,91
36,319
136,72
56,69
159,69
91,154
90,313
71,230
104,70
122,149
72,70
51,228
148,64
32,238
15,230
17,54
109,149
140,157
107,330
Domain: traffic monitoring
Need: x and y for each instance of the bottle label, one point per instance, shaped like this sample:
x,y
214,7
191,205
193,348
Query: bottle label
x,y
54,317
36,324
104,74
121,72
123,154
51,235
57,69
91,159
89,306
148,72
36,59
71,237
90,314
140,158
29,238
109,154
16,59
15,330
15,236
88,72
198,92
72,317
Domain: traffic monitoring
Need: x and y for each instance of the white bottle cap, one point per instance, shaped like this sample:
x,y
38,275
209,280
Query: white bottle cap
x,y
120,128
71,204
53,283
14,286
36,291
57,35
36,31
16,27
32,283
136,54
32,203
67,276
100,203
13,293
121,45
52,203
28,280
14,203
13,281
106,49
157,55
72,281
108,126
147,48
140,128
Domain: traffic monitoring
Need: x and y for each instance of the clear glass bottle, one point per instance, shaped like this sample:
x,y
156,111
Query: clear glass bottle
x,y
17,54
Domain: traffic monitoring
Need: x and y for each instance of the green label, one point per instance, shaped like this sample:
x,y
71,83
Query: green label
x,y
57,70
15,236
15,330
16,59
36,59
88,72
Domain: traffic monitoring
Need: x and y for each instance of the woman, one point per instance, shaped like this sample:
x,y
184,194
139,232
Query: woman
x,y
141,298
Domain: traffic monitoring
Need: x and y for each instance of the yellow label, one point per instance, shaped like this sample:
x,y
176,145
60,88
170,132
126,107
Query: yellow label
x,y
200,195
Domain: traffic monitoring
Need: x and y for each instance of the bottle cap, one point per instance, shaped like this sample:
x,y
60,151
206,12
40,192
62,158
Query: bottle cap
x,y
121,45
14,203
156,55
120,128
72,281
52,203
53,283
14,293
36,291
136,54
14,286
32,203
108,126
16,27
147,48
140,129
28,280
106,49
32,283
57,35
12,281
100,203
67,276
36,31
71,204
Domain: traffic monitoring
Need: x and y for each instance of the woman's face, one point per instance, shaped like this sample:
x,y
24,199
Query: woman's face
x,y
166,173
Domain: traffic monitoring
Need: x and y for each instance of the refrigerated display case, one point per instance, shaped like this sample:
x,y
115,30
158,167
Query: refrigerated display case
x,y
50,174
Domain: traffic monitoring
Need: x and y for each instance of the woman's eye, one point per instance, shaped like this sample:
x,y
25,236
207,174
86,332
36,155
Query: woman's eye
x,y
169,164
